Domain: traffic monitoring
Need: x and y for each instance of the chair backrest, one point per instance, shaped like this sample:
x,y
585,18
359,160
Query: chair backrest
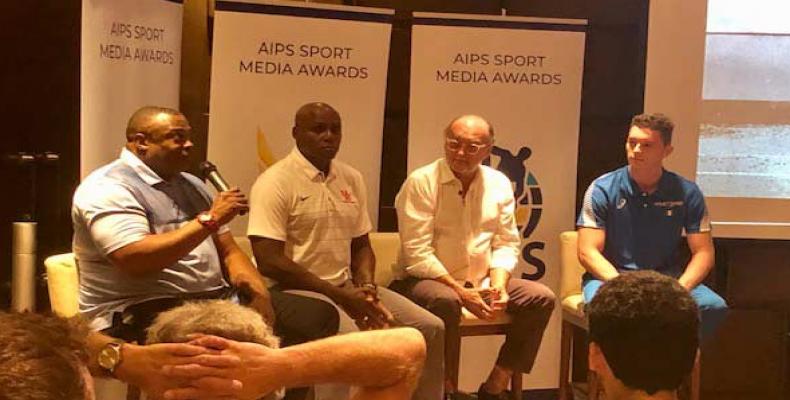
x,y
63,284
571,270
386,246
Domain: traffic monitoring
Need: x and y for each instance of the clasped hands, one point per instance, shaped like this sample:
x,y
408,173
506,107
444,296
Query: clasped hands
x,y
484,303
364,306
208,367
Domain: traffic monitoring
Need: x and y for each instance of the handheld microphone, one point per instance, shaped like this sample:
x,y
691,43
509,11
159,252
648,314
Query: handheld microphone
x,y
209,171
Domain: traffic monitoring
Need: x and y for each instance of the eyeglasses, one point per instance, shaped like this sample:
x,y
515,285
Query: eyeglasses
x,y
469,148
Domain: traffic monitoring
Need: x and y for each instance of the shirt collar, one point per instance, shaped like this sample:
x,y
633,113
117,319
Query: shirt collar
x,y
446,175
312,173
138,166
633,187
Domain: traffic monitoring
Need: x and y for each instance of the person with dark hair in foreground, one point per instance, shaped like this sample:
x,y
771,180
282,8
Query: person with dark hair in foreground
x,y
635,217
643,336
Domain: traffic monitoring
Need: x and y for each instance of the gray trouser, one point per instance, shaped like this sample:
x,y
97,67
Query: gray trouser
x,y
431,383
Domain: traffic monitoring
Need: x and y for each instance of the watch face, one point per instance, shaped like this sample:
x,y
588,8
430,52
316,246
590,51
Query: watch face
x,y
109,356
204,217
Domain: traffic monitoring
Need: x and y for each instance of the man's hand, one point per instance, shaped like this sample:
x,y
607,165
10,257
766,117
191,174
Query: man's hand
x,y
257,372
364,307
227,205
473,301
499,299
255,287
151,369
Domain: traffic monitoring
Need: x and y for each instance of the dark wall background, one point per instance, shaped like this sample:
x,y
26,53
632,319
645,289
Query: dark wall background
x,y
39,102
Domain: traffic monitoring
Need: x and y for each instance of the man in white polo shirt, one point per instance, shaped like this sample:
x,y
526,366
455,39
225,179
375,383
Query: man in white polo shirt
x,y
309,231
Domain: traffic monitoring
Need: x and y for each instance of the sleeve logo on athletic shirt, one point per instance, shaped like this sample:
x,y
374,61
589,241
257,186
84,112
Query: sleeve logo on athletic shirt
x,y
346,195
621,203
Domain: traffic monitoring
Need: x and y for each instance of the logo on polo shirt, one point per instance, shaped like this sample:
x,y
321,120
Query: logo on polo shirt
x,y
346,195
669,204
529,204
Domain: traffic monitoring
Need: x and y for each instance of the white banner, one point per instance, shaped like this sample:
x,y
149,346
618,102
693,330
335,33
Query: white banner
x,y
131,57
524,76
270,59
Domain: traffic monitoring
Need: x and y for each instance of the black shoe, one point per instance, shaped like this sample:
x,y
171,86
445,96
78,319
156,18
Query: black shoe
x,y
458,396
483,395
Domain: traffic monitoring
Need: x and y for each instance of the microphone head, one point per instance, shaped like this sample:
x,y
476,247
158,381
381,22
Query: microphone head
x,y
206,167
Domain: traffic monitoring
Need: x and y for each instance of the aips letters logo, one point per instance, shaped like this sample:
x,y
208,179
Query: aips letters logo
x,y
529,205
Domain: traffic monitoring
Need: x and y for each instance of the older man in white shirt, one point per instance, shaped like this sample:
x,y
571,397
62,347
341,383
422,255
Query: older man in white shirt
x,y
461,245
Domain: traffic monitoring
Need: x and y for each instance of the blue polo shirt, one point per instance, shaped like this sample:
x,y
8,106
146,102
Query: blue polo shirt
x,y
643,231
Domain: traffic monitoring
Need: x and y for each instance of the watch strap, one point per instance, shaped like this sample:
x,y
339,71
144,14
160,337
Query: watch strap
x,y
207,220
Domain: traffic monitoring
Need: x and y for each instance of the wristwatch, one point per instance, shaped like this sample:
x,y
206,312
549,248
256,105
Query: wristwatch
x,y
110,356
206,219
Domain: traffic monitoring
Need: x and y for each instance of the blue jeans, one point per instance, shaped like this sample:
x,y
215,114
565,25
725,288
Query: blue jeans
x,y
712,307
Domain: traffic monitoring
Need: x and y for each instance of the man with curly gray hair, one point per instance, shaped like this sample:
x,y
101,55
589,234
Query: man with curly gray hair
x,y
215,317
383,364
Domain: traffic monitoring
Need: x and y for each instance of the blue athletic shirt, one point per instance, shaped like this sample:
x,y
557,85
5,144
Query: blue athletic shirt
x,y
643,231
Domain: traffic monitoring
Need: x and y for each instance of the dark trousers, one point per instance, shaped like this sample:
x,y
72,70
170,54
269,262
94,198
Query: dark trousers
x,y
298,319
530,304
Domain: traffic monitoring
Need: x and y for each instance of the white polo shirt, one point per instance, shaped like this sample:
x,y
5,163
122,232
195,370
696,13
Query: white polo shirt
x,y
316,216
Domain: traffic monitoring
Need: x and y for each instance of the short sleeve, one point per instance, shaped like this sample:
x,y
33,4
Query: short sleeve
x,y
115,219
594,208
697,219
363,220
269,208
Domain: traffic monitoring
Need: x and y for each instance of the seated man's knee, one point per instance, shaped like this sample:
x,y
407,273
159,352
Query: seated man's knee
x,y
447,308
413,345
708,300
713,303
432,327
531,295
326,320
548,298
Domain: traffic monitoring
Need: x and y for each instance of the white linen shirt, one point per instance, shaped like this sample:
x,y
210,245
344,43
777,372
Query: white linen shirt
x,y
316,216
444,233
